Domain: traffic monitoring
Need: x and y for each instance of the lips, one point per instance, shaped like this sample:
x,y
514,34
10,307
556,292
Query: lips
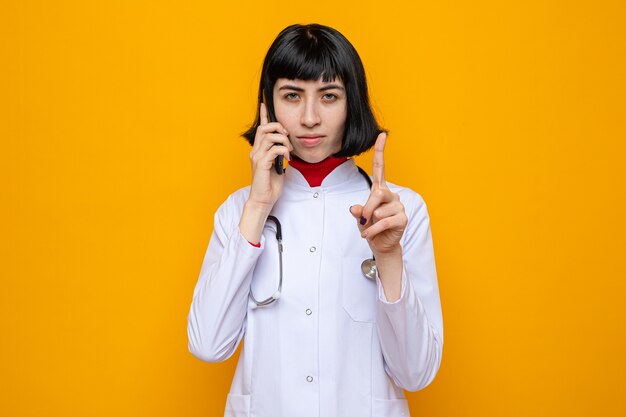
x,y
310,140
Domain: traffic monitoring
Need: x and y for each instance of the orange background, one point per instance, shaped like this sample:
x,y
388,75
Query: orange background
x,y
119,126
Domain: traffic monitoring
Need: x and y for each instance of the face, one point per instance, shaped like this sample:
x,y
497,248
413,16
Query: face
x,y
314,114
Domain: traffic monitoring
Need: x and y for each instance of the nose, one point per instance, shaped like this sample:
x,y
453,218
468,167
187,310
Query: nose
x,y
310,115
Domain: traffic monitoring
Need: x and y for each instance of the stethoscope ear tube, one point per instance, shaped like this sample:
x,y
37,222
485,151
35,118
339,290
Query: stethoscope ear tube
x,y
279,230
366,176
368,266
276,295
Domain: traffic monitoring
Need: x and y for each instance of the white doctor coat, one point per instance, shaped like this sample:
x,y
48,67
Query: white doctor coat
x,y
331,345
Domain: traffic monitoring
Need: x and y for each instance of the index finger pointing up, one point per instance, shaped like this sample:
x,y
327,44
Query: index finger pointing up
x,y
378,164
263,113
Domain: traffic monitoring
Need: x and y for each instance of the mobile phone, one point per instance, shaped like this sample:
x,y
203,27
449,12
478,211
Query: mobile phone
x,y
279,165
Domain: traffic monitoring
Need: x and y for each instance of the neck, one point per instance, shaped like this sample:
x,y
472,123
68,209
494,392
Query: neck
x,y
314,173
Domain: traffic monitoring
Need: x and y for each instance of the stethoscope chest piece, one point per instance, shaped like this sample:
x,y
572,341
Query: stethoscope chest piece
x,y
368,267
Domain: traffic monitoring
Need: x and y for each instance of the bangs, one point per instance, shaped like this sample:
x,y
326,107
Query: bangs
x,y
307,58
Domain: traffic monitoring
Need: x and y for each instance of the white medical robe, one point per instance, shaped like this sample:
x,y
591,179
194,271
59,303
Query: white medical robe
x,y
331,345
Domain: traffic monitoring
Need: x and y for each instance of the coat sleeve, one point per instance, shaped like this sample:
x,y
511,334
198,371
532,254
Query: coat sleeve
x,y
217,316
411,329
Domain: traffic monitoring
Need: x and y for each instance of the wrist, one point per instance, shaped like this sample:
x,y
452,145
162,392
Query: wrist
x,y
390,265
252,221
257,209
389,254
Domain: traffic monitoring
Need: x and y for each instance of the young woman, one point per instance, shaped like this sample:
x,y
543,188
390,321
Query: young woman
x,y
290,264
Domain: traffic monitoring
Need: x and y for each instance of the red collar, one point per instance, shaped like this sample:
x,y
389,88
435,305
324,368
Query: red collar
x,y
314,173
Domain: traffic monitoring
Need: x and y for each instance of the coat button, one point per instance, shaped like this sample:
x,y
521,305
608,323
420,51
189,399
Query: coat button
x,y
312,249
309,378
316,195
308,312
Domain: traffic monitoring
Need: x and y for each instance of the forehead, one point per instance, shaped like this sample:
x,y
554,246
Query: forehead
x,y
307,84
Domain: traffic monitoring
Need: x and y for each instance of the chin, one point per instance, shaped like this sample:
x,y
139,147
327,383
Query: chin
x,y
312,158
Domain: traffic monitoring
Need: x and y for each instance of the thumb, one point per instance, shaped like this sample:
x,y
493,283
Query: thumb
x,y
357,212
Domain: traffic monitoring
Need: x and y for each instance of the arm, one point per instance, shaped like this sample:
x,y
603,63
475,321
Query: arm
x,y
410,329
217,316
216,321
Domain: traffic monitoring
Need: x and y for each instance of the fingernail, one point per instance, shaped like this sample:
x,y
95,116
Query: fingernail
x,y
363,220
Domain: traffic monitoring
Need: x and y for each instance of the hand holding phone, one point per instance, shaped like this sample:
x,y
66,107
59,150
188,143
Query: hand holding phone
x,y
267,184
279,165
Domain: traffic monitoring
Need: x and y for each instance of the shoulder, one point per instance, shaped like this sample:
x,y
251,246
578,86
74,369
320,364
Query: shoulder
x,y
238,198
230,210
416,211
412,201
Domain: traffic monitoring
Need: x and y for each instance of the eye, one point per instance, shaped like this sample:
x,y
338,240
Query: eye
x,y
330,97
291,96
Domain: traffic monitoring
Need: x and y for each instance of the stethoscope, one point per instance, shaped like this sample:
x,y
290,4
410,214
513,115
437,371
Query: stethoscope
x,y
368,266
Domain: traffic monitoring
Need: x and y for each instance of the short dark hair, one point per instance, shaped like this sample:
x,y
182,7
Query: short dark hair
x,y
308,52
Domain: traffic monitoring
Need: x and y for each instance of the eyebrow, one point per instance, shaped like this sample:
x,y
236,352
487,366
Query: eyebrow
x,y
324,88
